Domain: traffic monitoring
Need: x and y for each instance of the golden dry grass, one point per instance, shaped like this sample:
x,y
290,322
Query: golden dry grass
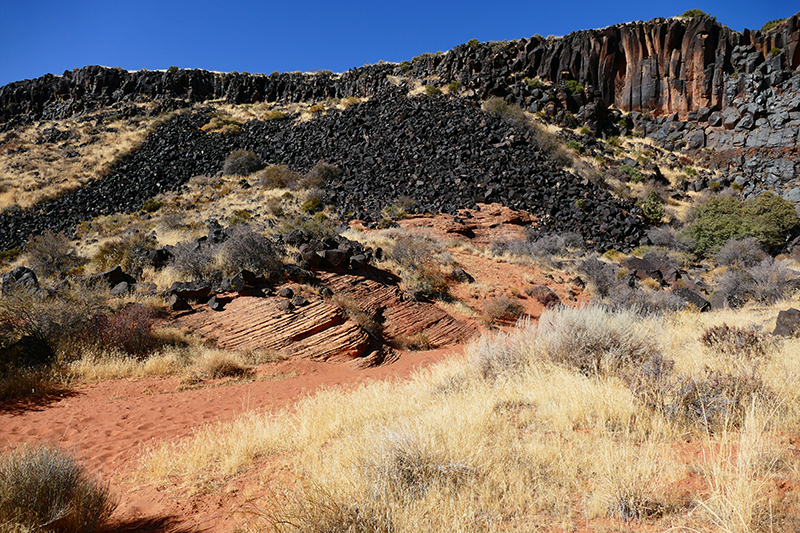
x,y
31,172
535,445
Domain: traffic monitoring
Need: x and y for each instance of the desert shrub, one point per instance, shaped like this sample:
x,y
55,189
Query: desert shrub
x,y
404,466
173,68
550,144
416,342
768,218
245,249
312,205
652,208
274,114
732,340
669,238
601,276
692,13
716,401
432,90
767,282
772,24
151,205
241,163
129,330
193,260
410,250
454,87
321,174
634,174
775,51
215,364
127,252
553,244
43,488
278,177
745,252
50,253
596,341
574,87
534,83
643,301
427,279
511,113
575,146
33,324
349,101
502,309
372,323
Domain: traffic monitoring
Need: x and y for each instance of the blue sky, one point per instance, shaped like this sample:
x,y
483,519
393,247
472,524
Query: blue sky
x,y
45,36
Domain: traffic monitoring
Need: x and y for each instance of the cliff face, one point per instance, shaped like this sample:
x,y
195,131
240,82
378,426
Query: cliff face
x,y
664,66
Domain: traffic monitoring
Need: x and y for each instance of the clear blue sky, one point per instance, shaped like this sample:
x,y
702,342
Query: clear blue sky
x,y
48,36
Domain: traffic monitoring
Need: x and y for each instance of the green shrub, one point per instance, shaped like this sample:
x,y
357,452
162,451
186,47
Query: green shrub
x,y
575,146
432,90
574,87
692,13
653,208
173,69
43,488
312,205
473,43
152,205
241,163
274,114
689,171
770,219
454,86
775,51
405,66
634,174
772,24
767,217
534,83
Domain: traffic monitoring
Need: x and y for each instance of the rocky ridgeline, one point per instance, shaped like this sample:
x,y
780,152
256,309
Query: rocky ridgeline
x,y
663,65
442,152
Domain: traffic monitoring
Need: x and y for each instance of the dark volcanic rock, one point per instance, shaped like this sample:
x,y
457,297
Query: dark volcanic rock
x,y
788,322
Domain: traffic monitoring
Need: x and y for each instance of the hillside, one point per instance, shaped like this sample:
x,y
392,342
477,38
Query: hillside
x,y
451,292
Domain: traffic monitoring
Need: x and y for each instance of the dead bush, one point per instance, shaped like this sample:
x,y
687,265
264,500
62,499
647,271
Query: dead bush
x,y
51,253
43,488
717,401
746,252
241,163
732,340
129,330
194,260
245,249
278,177
767,282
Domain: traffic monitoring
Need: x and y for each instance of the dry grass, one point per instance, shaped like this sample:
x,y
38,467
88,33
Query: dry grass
x,y
535,440
31,172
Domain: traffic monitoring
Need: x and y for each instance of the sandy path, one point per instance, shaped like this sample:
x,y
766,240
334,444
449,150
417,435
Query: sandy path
x,y
107,424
